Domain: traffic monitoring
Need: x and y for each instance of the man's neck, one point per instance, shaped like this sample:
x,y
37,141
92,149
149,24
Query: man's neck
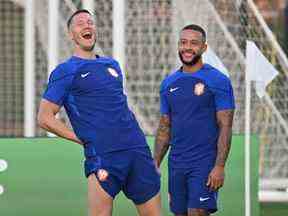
x,y
84,54
193,68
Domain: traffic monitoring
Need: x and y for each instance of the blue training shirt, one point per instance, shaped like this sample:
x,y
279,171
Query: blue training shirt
x,y
91,90
191,100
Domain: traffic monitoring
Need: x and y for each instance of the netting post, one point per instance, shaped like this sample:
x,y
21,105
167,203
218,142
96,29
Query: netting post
x,y
53,32
29,77
53,35
247,162
89,5
119,32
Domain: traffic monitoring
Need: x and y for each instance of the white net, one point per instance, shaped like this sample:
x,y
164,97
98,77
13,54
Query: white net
x,y
269,116
151,31
11,69
150,54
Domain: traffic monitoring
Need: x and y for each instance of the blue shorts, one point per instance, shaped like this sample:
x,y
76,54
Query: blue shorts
x,y
187,189
132,171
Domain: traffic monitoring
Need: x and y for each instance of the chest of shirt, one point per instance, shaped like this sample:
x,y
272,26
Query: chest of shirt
x,y
189,93
91,79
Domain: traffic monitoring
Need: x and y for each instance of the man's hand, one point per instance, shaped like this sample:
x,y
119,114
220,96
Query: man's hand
x,y
48,121
216,178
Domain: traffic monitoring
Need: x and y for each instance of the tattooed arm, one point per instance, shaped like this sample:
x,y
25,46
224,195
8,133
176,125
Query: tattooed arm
x,y
224,120
162,139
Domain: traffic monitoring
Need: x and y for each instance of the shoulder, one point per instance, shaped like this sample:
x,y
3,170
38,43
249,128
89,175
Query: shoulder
x,y
107,60
170,78
215,77
63,70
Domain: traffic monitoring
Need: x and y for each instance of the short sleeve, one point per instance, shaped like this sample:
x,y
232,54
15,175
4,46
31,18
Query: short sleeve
x,y
224,97
58,86
118,68
164,105
116,64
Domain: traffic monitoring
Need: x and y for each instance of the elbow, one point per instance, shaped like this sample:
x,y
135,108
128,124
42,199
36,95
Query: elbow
x,y
42,121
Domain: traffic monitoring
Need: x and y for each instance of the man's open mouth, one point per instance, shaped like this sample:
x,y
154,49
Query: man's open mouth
x,y
87,35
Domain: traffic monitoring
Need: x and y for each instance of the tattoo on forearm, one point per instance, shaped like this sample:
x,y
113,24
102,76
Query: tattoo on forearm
x,y
162,139
225,121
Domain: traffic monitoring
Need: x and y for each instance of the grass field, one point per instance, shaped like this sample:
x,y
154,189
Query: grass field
x,y
45,177
274,209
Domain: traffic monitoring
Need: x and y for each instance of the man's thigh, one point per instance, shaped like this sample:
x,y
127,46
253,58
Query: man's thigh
x,y
152,207
178,197
188,190
115,165
99,201
134,172
143,182
101,192
200,196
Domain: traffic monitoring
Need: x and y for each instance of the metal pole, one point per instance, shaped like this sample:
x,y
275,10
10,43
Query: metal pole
x,y
53,34
119,32
89,5
247,142
29,78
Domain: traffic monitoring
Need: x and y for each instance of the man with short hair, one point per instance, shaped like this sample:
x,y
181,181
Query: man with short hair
x,y
197,106
90,88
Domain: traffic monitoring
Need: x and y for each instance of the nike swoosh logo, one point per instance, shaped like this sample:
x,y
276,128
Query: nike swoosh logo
x,y
173,89
203,199
85,75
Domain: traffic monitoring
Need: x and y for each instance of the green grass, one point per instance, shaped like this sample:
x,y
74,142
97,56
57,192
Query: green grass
x,y
45,177
274,209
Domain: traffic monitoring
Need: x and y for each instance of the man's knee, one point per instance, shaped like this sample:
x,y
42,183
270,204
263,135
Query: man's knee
x,y
197,212
100,212
150,208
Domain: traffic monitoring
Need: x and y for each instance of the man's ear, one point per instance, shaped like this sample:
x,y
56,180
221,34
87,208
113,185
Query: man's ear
x,y
205,47
70,34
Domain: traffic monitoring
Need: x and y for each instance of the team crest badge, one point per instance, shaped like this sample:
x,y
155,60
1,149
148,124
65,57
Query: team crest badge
x,y
199,89
113,72
102,174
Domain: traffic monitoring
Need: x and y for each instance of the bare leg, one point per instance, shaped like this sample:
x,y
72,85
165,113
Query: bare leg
x,y
197,212
99,202
150,208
